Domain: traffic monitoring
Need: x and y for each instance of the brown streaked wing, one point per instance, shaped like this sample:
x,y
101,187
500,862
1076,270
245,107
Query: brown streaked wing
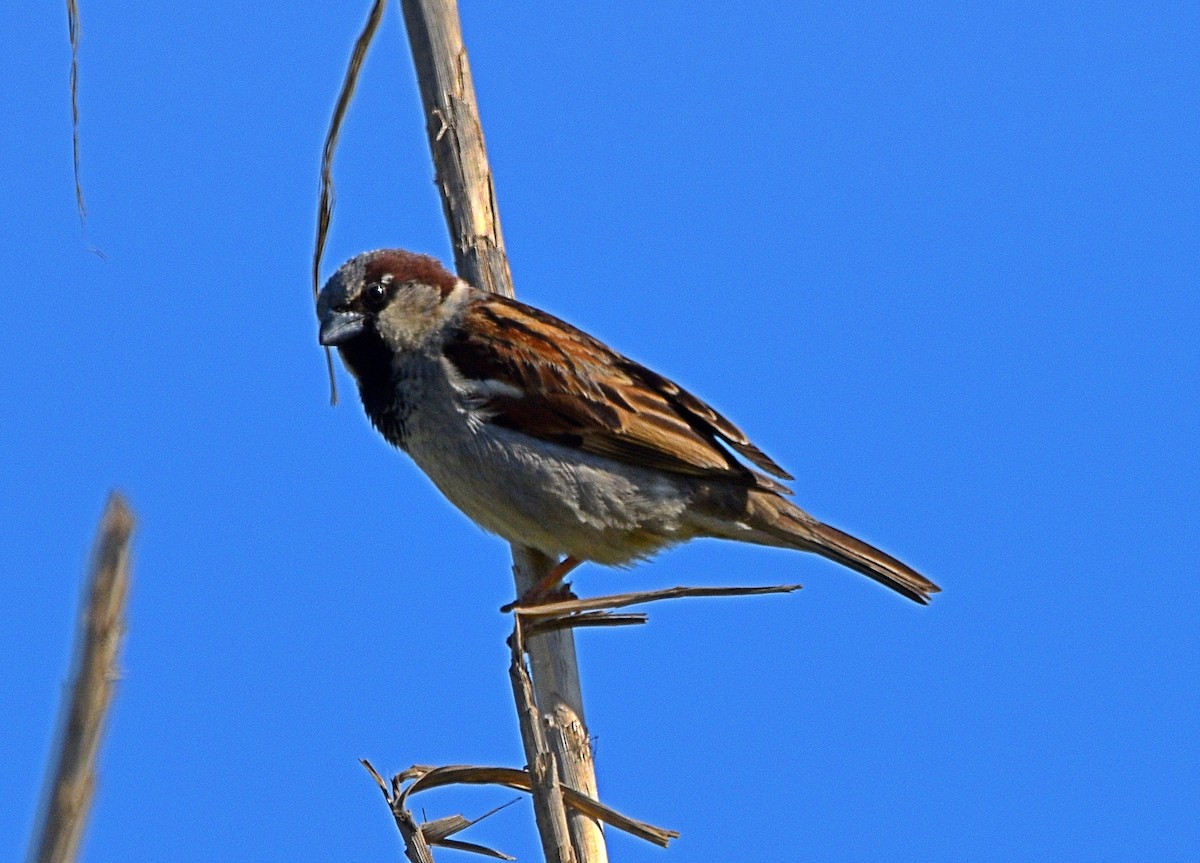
x,y
579,392
704,414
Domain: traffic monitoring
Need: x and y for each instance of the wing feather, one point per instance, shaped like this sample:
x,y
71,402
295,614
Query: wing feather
x,y
562,385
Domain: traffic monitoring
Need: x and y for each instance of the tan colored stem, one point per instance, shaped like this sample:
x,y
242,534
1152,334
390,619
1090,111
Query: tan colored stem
x,y
464,179
70,787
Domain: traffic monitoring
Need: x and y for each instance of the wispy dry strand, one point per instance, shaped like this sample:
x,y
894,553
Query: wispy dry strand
x,y
325,208
74,32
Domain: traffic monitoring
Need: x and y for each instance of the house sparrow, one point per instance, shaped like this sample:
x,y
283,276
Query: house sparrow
x,y
551,439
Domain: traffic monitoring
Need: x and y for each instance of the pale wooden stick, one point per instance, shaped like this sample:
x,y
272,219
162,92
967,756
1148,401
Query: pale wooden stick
x,y
469,200
70,786
550,810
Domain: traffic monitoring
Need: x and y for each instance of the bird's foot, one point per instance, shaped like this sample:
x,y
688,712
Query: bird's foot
x,y
549,589
531,598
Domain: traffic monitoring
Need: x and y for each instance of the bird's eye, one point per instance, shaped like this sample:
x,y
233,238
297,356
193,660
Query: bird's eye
x,y
375,296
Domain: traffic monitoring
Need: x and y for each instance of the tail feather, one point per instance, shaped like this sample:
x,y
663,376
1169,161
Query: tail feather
x,y
791,527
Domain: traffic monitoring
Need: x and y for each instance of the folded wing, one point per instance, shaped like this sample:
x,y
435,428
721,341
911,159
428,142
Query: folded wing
x,y
534,373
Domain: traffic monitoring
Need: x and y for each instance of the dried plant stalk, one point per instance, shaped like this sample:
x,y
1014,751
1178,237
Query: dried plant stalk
x,y
70,786
464,179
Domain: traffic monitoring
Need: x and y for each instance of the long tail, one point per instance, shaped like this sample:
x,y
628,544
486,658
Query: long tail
x,y
791,527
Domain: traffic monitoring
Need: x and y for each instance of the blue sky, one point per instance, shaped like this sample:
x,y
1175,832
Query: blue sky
x,y
940,262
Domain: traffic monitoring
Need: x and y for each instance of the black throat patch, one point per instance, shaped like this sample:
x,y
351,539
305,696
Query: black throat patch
x,y
370,361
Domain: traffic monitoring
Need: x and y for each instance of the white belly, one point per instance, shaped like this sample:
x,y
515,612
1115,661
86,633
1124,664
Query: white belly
x,y
549,497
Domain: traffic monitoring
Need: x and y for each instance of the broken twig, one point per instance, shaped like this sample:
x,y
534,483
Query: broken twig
x,y
426,778
567,607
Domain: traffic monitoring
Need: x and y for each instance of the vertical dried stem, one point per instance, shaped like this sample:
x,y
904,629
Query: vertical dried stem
x,y
468,197
543,766
456,140
68,794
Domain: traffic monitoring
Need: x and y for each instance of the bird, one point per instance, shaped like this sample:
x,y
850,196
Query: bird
x,y
551,439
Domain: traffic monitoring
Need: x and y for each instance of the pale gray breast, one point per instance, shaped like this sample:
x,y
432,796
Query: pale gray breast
x,y
540,494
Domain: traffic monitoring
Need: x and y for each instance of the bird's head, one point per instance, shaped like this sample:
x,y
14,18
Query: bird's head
x,y
389,296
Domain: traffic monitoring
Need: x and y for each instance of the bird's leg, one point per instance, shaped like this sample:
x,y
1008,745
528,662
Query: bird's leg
x,y
551,580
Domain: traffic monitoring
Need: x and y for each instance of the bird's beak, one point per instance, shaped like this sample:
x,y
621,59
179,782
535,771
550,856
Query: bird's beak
x,y
339,327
